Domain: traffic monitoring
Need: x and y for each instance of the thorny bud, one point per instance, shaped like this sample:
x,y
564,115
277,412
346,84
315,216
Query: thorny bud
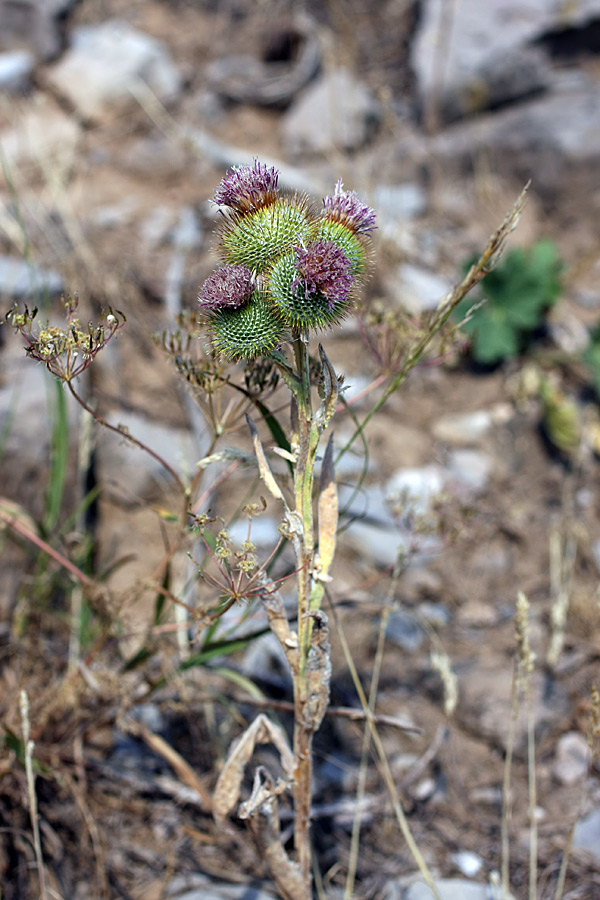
x,y
287,268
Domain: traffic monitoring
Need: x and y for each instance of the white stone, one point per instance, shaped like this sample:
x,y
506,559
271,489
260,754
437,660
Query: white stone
x,y
587,834
399,201
448,889
572,758
467,862
105,63
418,290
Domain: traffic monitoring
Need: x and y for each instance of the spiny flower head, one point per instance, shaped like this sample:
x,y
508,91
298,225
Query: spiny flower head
x,y
287,268
245,188
228,287
324,268
345,207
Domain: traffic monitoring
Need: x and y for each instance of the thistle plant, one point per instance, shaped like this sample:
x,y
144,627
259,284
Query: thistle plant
x,y
288,271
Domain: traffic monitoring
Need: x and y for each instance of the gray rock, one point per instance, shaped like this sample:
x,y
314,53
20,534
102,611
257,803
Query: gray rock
x,y
467,862
448,889
201,887
404,630
394,202
463,429
556,137
412,491
471,469
587,834
336,112
492,51
105,63
15,71
572,758
37,23
416,289
21,280
383,545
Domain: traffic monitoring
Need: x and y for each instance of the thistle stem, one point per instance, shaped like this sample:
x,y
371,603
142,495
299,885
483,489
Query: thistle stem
x,y
303,726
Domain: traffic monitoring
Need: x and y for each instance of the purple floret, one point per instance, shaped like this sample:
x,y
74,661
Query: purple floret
x,y
228,287
248,187
345,207
324,268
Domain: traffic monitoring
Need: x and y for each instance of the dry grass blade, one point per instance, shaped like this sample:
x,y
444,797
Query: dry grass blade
x,y
286,874
328,512
263,465
227,790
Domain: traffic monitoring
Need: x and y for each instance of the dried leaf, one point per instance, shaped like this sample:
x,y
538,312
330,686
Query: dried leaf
x,y
328,512
285,873
329,390
227,790
318,671
226,454
263,465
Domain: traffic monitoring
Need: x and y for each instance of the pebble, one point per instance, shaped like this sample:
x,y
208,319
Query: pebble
x,y
414,490
448,889
394,202
467,862
404,630
201,887
42,131
572,758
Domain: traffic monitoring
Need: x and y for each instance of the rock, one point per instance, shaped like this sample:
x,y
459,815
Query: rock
x,y
201,887
21,280
471,469
587,834
15,71
337,112
264,532
383,545
36,23
416,289
412,491
404,630
463,429
100,71
41,131
467,862
572,758
291,58
556,136
448,889
494,53
395,202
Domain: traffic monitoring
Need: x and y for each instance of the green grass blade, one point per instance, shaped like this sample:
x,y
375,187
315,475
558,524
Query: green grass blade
x,y
59,449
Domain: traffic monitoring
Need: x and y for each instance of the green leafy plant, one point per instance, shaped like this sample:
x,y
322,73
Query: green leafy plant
x,y
513,301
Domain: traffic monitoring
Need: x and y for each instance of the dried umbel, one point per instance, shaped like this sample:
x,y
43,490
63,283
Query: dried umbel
x,y
287,268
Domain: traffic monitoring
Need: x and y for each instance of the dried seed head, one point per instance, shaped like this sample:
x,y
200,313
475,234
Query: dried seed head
x,y
228,287
247,188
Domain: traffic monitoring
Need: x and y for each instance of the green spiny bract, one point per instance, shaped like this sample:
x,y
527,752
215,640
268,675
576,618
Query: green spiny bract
x,y
287,268
297,307
248,332
254,239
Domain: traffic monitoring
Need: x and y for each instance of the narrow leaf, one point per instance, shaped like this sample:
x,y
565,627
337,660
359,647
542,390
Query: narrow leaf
x,y
328,511
263,465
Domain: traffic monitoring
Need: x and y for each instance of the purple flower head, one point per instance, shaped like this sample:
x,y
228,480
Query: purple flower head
x,y
228,287
245,188
345,207
323,267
